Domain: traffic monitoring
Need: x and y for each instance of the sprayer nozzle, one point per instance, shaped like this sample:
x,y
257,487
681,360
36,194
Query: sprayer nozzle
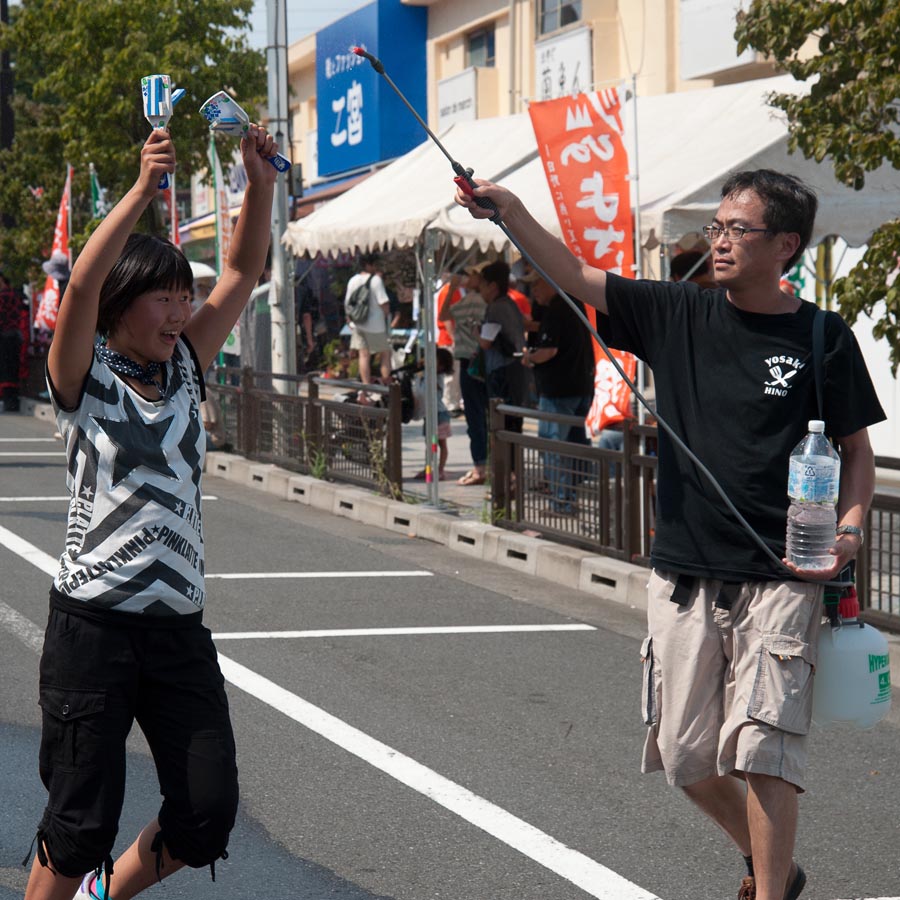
x,y
377,65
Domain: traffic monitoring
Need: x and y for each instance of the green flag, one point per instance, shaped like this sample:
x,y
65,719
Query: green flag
x,y
99,206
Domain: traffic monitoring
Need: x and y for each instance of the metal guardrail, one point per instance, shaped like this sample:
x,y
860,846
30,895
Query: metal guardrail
x,y
289,421
614,502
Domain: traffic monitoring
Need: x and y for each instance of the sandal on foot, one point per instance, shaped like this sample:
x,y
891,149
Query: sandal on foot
x,y
797,885
471,478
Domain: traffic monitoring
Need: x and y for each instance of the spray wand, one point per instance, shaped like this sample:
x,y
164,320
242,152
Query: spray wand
x,y
467,185
463,175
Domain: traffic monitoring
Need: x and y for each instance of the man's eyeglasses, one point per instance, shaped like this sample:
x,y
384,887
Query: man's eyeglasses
x,y
732,232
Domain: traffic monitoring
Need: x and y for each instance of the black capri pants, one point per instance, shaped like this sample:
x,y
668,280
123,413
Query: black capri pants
x,y
100,671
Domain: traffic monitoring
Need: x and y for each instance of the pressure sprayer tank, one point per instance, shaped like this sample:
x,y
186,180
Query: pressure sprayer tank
x,y
853,674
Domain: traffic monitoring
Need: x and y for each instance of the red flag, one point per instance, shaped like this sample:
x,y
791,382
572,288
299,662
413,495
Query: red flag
x,y
49,305
580,140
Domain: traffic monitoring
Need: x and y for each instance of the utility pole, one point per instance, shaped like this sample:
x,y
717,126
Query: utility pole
x,y
281,293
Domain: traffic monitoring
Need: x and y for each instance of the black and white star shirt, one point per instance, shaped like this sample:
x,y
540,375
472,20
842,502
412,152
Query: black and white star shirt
x,y
134,541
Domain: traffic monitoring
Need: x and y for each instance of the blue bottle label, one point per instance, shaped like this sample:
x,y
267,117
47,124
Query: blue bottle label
x,y
813,479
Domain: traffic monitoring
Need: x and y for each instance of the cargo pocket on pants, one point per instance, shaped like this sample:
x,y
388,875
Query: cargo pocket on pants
x,y
782,692
72,733
649,684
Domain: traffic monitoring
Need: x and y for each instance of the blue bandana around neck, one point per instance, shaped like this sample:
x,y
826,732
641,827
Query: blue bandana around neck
x,y
120,363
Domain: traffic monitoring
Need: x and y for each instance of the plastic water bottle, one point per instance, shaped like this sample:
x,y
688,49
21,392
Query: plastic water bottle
x,y
813,480
853,671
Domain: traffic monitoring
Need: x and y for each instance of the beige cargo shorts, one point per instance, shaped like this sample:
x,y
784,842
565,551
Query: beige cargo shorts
x,y
728,677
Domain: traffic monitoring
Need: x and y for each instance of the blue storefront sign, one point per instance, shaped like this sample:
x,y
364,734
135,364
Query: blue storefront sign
x,y
361,120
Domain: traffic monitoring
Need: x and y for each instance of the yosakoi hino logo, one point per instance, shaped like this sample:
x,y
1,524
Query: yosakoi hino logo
x,y
782,369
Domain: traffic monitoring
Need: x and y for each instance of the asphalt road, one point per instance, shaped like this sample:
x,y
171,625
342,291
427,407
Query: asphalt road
x,y
400,735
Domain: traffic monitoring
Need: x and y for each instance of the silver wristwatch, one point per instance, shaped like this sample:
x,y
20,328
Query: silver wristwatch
x,y
851,529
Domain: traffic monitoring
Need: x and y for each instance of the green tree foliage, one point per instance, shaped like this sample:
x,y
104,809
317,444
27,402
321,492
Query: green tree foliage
x,y
78,66
849,116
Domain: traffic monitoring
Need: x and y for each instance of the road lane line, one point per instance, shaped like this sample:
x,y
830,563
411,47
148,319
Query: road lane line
x,y
63,499
59,452
399,573
596,880
43,561
386,632
593,878
24,629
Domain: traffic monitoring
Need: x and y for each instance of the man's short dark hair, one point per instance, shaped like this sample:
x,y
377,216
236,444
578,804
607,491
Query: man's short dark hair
x,y
684,262
497,273
369,259
790,205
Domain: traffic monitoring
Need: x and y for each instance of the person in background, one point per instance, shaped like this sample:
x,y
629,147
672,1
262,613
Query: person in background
x,y
563,363
369,338
446,337
467,315
502,338
730,655
692,265
443,370
13,341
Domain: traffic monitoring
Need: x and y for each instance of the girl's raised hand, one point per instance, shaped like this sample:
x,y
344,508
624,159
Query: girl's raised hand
x,y
257,145
157,159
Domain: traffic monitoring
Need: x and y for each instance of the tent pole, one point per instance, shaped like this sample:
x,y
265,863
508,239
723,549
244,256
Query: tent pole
x,y
638,261
429,321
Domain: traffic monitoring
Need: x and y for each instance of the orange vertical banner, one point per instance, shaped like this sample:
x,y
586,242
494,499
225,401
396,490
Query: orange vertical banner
x,y
45,318
581,143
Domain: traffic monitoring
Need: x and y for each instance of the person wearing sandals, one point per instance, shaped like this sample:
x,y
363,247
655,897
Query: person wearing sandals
x,y
729,661
467,314
125,639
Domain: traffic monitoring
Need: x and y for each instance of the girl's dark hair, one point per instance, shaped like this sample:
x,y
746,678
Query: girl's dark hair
x,y
147,263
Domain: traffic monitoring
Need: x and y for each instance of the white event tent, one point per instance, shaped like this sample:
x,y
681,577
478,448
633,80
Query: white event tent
x,y
393,207
687,143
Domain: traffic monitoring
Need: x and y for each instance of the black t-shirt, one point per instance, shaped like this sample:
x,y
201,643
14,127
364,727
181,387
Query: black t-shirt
x,y
571,372
739,389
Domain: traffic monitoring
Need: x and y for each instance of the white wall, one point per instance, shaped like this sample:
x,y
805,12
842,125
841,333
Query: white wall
x,y
885,436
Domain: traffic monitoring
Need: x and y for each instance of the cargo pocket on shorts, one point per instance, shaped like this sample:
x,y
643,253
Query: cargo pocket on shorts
x,y
649,684
72,733
782,692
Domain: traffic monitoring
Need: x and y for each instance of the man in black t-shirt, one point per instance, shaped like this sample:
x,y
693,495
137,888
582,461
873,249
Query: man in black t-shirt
x,y
733,630
502,337
563,363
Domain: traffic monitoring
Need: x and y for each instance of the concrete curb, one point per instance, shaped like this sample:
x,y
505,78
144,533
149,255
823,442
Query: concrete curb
x,y
600,576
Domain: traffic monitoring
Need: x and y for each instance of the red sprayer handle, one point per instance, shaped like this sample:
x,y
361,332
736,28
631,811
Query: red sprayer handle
x,y
467,186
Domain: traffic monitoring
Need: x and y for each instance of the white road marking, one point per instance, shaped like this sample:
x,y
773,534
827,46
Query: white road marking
x,y
595,879
43,561
64,499
29,440
24,629
592,877
388,632
399,573
59,452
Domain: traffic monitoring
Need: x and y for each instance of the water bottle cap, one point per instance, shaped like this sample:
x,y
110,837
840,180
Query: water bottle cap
x,y
816,426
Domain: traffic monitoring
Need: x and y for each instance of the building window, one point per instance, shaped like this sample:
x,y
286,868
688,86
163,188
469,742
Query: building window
x,y
480,47
555,14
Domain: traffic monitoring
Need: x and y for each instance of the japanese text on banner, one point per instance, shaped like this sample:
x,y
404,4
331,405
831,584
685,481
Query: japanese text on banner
x,y
581,143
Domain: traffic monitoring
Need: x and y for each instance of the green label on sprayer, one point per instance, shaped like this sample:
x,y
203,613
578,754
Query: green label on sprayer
x,y
881,663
